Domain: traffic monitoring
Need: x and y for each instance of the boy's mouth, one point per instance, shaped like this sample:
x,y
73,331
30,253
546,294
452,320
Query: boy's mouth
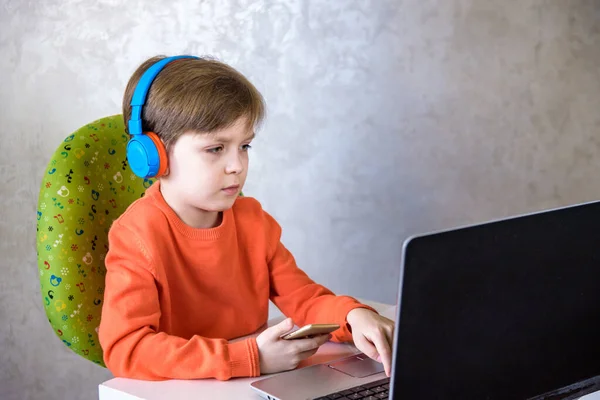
x,y
231,190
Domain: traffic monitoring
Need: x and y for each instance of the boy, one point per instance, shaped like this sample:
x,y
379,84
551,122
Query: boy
x,y
192,265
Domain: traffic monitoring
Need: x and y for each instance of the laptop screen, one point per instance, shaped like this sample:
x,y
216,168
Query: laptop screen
x,y
503,310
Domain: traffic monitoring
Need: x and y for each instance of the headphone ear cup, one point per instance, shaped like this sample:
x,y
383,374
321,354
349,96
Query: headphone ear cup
x,y
147,155
163,160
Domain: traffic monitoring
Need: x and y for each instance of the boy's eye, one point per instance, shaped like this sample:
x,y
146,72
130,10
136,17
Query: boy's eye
x,y
215,150
246,147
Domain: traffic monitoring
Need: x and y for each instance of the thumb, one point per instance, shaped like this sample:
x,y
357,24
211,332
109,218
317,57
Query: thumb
x,y
283,327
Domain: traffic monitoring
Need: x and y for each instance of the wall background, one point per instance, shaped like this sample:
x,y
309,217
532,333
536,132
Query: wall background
x,y
386,118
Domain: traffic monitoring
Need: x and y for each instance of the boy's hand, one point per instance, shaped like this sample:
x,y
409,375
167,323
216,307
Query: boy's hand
x,y
373,335
276,354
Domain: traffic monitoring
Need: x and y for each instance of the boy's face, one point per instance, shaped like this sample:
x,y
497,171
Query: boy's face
x,y
207,171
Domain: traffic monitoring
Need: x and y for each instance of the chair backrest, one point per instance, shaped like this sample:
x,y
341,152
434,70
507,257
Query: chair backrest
x,y
87,185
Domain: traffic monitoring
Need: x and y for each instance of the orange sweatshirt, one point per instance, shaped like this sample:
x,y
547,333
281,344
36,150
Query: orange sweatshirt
x,y
176,295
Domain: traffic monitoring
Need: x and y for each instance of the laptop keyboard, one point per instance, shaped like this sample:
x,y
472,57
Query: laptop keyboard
x,y
370,391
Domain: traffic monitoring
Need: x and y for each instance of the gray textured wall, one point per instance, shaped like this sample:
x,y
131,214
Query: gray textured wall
x,y
386,118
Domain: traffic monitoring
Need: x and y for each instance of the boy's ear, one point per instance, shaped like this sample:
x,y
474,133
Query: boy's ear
x,y
168,151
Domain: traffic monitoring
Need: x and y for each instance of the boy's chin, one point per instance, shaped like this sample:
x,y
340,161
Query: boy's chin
x,y
220,205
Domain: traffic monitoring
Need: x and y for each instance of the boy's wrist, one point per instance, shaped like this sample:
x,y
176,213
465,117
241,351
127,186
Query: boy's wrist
x,y
355,314
243,358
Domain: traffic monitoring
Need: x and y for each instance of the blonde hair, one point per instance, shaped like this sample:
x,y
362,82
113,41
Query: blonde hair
x,y
200,95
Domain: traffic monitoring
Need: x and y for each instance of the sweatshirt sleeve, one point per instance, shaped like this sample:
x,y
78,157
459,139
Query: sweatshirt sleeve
x,y
132,344
298,296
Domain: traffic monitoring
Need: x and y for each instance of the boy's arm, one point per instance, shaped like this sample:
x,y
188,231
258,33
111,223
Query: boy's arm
x,y
298,296
129,335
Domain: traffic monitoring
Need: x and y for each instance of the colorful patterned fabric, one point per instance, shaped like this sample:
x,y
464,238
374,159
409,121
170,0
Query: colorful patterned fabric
x,y
86,186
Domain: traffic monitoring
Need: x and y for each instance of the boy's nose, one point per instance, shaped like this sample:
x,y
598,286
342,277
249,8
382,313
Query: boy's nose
x,y
235,165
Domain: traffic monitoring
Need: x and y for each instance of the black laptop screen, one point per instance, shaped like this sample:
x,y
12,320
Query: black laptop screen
x,y
504,310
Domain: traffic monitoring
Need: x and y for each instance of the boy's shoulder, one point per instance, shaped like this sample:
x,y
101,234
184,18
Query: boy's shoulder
x,y
140,214
247,205
248,211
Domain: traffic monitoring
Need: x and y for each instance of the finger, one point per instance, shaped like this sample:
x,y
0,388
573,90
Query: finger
x,y
383,348
308,353
281,328
366,347
312,343
389,334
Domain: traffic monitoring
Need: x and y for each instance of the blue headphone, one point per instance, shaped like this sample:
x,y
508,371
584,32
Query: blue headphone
x,y
146,153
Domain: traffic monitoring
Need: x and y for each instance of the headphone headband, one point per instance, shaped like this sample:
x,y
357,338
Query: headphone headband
x,y
141,92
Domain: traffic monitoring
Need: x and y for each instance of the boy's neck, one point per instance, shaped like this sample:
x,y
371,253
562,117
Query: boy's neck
x,y
192,216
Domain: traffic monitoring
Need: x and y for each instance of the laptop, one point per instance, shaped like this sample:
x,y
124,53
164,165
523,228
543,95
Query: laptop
x,y
508,309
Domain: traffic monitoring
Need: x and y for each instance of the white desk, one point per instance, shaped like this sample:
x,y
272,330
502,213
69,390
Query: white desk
x,y
237,388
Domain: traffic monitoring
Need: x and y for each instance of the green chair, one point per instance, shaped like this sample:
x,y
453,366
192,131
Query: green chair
x,y
87,185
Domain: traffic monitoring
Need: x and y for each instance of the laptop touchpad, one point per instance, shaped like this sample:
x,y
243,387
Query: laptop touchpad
x,y
358,366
